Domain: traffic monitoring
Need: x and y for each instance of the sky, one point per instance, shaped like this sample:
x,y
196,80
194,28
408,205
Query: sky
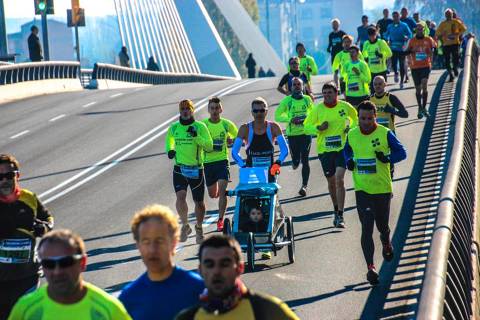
x,y
372,4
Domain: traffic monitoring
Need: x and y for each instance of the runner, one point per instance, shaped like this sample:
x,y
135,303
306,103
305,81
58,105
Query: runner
x,y
307,63
186,142
362,34
293,110
384,23
340,61
449,32
421,49
357,78
23,218
330,121
376,52
426,29
217,165
66,295
398,34
335,40
285,85
369,151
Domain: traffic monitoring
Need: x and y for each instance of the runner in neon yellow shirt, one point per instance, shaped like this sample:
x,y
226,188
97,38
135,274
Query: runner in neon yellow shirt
x,y
66,296
330,121
307,63
376,52
357,78
340,61
186,141
217,165
293,110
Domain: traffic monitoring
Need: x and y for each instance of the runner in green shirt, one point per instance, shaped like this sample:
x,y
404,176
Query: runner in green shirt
x,y
307,63
357,78
293,110
376,52
330,121
340,61
186,142
217,165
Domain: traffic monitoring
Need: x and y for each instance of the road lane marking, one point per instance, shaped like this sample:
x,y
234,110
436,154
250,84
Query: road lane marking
x,y
57,118
89,104
116,95
19,134
201,105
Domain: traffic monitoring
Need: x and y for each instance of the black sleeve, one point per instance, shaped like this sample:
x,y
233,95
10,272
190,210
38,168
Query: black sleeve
x,y
283,81
397,104
44,215
330,36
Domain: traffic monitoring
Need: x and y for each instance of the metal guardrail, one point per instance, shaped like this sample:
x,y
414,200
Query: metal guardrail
x,y
32,71
124,74
449,286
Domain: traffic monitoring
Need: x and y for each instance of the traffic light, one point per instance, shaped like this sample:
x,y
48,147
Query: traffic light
x,y
44,7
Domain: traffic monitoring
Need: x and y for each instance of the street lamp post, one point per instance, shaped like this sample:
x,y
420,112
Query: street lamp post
x,y
3,31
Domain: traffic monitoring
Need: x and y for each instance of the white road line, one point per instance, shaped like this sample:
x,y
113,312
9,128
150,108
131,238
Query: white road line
x,y
89,104
19,134
116,95
139,89
57,118
201,104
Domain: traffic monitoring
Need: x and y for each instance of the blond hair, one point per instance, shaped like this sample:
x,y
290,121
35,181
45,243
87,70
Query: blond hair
x,y
155,211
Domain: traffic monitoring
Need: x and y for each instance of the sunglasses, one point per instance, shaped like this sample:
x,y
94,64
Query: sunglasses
x,y
61,262
259,110
9,175
294,63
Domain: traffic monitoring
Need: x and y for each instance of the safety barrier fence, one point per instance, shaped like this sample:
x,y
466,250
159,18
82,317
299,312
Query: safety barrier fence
x,y
103,71
33,71
450,284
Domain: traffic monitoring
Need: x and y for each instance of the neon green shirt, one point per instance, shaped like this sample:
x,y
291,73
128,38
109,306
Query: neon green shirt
x,y
219,132
308,61
189,150
96,305
341,59
376,64
290,108
339,117
370,175
357,85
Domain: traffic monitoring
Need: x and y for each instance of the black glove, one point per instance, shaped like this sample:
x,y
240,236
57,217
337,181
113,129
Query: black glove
x,y
192,131
350,164
39,228
390,109
381,157
378,54
171,154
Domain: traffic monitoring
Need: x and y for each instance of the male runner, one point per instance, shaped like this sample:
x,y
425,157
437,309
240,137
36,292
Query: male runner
x,y
217,165
420,49
357,77
307,63
340,61
384,23
398,34
330,121
285,85
293,110
376,52
186,141
369,151
335,39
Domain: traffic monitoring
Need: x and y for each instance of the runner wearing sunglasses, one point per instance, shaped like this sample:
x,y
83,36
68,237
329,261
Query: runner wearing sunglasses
x,y
66,295
22,219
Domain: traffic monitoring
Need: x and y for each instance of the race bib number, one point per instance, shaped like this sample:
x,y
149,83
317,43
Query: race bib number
x,y
383,121
366,166
333,142
353,86
15,250
190,172
451,36
218,144
374,60
420,56
261,161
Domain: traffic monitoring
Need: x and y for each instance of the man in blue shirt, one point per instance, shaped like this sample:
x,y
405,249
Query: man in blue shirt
x,y
398,34
165,289
362,32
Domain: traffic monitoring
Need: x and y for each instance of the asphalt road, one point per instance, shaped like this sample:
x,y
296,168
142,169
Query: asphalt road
x,y
95,157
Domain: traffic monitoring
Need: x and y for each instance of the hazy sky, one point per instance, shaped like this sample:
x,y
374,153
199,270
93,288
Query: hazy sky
x,y
371,4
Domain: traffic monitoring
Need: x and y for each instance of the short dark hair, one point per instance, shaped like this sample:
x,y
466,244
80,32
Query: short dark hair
x,y
395,12
33,28
367,105
299,44
371,31
330,85
221,241
66,238
364,17
354,47
10,160
260,100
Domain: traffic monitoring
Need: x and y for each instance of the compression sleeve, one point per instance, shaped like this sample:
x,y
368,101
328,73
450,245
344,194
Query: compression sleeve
x,y
347,151
282,143
397,150
400,110
237,144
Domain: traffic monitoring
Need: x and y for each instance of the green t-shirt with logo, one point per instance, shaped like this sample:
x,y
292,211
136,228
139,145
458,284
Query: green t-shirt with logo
x,y
290,108
219,132
357,85
376,64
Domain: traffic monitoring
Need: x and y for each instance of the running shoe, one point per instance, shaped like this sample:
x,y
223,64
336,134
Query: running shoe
x,y
401,85
372,275
338,221
220,225
455,72
387,251
295,166
451,78
198,234
396,77
420,114
303,191
426,113
406,79
186,230
266,255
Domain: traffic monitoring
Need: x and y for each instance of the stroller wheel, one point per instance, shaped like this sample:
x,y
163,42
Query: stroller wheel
x,y
227,227
250,253
290,237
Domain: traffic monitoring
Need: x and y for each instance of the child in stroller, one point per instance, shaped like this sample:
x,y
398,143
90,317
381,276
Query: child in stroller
x,y
256,222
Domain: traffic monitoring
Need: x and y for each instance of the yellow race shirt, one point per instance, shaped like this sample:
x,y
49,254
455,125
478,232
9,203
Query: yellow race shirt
x,y
339,117
96,305
290,108
449,31
219,131
357,85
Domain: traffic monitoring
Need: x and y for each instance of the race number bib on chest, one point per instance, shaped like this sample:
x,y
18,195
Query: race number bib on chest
x,y
420,56
218,144
353,86
15,250
383,121
261,161
190,172
333,142
366,166
375,60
